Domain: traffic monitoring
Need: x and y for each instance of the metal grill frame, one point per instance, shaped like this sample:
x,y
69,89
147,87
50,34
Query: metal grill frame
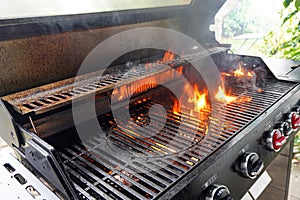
x,y
214,140
209,156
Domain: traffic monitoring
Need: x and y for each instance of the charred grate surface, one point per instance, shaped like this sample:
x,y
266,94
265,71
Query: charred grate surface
x,y
58,94
100,174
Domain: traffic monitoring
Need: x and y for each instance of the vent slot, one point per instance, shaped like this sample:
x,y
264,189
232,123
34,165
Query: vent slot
x,y
20,179
30,107
53,98
9,168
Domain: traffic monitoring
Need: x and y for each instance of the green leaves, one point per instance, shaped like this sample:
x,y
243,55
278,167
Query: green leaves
x,y
297,4
289,16
284,41
286,3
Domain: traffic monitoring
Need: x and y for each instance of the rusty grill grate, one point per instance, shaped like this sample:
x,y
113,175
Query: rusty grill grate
x,y
100,174
55,95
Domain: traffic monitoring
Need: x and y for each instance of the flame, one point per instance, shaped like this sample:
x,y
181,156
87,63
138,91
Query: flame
x,y
139,86
176,107
142,85
239,71
199,100
221,96
259,90
180,70
196,101
168,56
226,74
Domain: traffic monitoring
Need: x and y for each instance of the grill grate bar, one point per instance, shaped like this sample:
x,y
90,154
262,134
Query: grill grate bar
x,y
158,143
126,175
98,194
82,194
158,138
143,145
154,184
188,131
134,170
107,179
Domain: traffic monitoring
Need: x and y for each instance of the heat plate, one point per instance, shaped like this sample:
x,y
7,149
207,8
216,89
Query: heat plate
x,y
101,173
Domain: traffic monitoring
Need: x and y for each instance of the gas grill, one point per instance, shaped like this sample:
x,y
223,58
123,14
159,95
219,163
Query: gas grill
x,y
203,144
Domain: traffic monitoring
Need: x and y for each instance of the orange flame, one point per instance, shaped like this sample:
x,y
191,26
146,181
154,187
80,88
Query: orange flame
x,y
199,100
226,74
221,96
168,56
239,71
176,107
180,70
142,85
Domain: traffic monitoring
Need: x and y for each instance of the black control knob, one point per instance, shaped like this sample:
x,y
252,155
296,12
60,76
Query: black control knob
x,y
217,192
251,165
296,109
284,128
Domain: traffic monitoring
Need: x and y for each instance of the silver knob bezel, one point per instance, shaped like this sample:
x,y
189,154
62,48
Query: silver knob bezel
x,y
244,165
269,140
213,189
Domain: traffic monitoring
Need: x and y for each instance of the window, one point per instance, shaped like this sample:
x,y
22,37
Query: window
x,y
38,8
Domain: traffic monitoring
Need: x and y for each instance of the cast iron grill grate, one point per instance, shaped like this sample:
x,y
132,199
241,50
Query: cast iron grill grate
x,y
100,174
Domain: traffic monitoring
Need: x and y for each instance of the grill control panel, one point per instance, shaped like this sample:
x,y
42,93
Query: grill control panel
x,y
276,138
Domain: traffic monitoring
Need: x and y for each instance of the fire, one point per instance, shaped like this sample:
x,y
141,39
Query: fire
x,y
196,101
249,74
140,86
176,107
199,100
240,72
168,56
221,96
226,74
180,70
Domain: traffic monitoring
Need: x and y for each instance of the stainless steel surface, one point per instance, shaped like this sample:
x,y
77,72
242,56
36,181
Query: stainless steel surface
x,y
7,125
11,188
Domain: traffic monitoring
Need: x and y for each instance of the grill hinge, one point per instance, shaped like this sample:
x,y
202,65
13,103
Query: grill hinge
x,y
8,129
